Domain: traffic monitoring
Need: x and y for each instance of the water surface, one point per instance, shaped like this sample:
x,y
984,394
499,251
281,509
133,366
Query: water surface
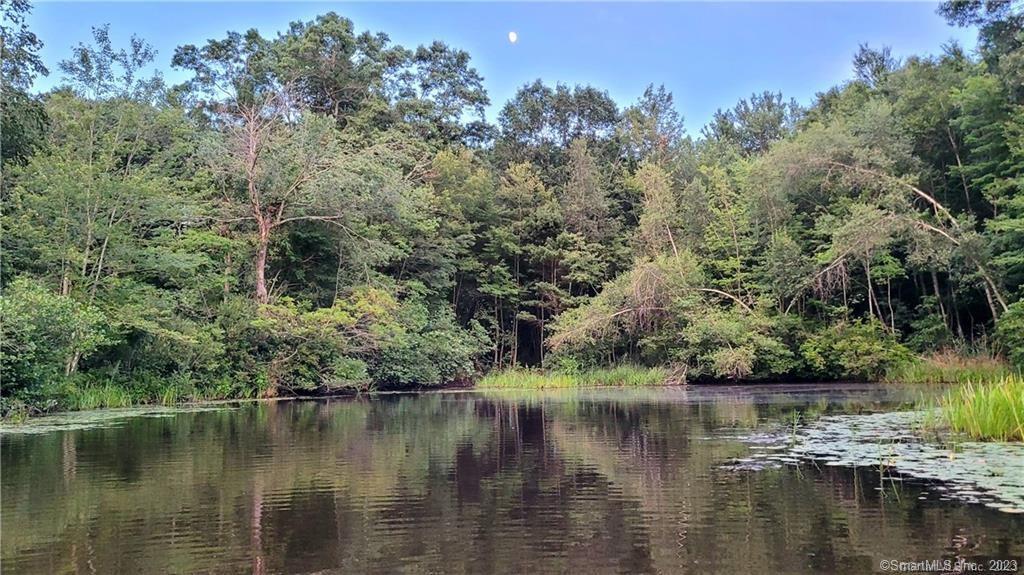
x,y
604,480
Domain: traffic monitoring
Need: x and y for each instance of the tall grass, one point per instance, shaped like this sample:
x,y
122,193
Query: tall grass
x,y
987,411
98,393
98,396
622,376
951,367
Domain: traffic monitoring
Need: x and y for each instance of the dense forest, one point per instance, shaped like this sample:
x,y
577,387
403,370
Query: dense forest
x,y
323,210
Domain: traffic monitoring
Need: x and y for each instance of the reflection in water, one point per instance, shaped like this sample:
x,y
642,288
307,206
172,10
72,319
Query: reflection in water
x,y
600,480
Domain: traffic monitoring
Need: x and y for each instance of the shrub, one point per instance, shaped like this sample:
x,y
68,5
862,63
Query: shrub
x,y
733,344
41,332
858,350
369,338
428,349
298,348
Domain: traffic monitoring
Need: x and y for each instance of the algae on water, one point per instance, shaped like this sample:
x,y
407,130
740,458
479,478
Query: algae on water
x,y
98,418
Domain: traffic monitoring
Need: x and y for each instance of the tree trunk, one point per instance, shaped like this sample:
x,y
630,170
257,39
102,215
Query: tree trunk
x,y
956,314
888,302
71,366
871,292
872,298
991,304
263,243
497,334
542,337
938,296
960,168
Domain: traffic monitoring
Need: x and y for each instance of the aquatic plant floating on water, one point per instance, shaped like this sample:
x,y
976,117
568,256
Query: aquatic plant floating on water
x,y
976,472
99,418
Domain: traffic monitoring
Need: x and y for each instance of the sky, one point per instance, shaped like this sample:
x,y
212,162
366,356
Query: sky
x,y
709,55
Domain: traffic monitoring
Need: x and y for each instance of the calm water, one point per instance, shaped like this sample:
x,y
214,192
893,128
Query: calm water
x,y
583,481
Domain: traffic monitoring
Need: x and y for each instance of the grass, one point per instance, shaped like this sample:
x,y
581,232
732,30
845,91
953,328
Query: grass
x,y
619,376
987,411
106,393
98,396
951,367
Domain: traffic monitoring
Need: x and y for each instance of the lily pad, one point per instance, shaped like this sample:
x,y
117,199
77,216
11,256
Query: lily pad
x,y
976,472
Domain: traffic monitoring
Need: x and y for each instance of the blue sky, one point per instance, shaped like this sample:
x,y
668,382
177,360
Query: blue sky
x,y
708,54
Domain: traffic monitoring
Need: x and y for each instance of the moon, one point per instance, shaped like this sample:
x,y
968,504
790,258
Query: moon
x,y
513,37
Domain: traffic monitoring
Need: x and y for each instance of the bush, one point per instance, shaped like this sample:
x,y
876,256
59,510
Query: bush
x,y
428,349
859,350
368,339
733,344
42,331
297,350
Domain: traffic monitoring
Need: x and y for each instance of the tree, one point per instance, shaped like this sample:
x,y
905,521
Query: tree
x,y
268,152
867,158
922,94
42,330
872,67
96,215
539,123
660,219
754,124
1000,38
652,129
19,47
99,71
331,69
531,216
437,90
584,200
22,116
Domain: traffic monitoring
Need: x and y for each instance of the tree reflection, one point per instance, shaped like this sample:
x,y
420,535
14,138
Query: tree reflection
x,y
575,481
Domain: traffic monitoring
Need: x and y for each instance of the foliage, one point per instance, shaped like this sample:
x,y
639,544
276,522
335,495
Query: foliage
x,y
1010,333
324,210
43,332
993,411
858,350
19,47
368,339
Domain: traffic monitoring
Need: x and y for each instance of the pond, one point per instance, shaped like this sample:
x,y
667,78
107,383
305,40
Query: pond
x,y
601,480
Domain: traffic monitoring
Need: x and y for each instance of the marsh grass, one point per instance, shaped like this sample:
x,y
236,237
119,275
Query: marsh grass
x,y
951,367
986,411
99,393
98,396
619,376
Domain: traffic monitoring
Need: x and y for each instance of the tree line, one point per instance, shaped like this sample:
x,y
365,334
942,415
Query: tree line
x,y
324,209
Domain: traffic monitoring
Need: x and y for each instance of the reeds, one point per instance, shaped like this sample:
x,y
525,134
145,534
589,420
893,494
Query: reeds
x,y
619,376
98,396
987,411
950,367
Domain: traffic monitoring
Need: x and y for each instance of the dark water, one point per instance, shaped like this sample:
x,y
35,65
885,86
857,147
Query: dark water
x,y
587,482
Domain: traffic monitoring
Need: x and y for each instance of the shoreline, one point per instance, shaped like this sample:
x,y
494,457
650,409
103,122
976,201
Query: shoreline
x,y
780,386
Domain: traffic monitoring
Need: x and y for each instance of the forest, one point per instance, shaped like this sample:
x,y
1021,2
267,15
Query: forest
x,y
322,210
